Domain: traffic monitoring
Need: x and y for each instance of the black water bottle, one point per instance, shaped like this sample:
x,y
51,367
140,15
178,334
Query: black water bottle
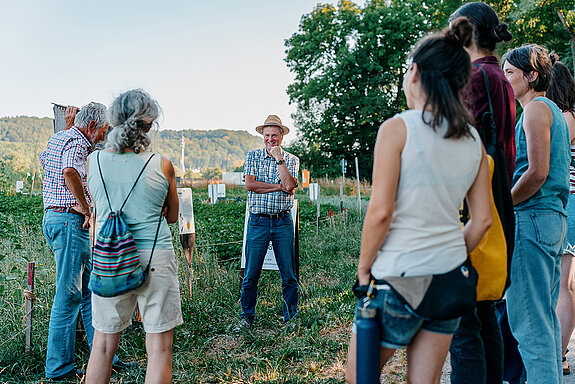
x,y
368,346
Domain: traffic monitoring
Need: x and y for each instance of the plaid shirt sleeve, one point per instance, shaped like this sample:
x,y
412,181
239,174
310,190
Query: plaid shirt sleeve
x,y
250,166
72,157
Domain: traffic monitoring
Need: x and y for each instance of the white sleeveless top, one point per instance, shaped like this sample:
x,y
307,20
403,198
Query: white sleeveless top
x,y
425,236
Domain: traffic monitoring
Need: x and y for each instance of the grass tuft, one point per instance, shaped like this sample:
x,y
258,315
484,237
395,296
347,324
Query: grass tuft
x,y
206,350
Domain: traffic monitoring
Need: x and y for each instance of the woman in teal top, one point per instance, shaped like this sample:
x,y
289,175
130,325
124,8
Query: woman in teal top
x,y
540,192
132,115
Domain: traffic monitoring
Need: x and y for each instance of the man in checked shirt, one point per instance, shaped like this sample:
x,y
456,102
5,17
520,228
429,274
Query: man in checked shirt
x,y
65,225
271,178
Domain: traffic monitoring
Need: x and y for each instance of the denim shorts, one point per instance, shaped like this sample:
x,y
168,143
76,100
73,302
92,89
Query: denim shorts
x,y
398,323
569,246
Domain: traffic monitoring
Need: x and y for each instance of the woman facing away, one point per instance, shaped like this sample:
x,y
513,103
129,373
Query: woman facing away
x,y
125,154
477,347
562,92
540,192
426,161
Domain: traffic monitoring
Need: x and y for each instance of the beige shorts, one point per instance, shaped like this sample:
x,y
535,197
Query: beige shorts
x,y
158,299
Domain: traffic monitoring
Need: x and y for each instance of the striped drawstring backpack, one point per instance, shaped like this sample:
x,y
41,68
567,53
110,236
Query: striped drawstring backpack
x,y
116,267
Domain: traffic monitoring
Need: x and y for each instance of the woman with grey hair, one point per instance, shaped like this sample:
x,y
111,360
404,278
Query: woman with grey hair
x,y
111,174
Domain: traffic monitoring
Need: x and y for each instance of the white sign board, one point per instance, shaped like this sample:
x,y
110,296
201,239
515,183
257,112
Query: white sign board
x,y
213,193
59,117
216,191
221,191
19,186
186,215
313,191
270,258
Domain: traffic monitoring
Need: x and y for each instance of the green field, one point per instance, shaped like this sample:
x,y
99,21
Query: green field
x,y
205,348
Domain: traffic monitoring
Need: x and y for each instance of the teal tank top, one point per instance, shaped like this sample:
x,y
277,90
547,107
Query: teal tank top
x,y
142,210
554,193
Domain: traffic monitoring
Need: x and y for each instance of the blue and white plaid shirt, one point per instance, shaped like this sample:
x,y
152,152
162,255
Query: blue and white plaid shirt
x,y
264,168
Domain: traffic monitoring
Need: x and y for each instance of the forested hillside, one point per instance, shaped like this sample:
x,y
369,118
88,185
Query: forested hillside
x,y
23,138
220,148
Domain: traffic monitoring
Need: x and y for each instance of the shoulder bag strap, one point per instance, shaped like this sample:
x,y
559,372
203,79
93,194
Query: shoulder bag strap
x,y
155,239
133,186
104,184
486,82
135,182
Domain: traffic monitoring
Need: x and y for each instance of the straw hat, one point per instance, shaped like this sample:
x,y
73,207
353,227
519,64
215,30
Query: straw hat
x,y
272,121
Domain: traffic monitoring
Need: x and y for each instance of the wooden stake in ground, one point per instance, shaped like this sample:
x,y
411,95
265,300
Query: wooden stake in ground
x,y
188,240
30,298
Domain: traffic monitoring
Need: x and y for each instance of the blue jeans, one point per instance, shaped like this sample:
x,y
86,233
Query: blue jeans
x,y
71,247
532,296
259,233
477,347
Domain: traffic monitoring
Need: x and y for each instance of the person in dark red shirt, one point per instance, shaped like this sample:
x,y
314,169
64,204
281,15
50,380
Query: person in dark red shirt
x,y
477,346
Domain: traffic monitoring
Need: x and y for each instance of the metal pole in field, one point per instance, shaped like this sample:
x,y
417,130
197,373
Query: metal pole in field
x,y
317,214
343,165
30,298
358,190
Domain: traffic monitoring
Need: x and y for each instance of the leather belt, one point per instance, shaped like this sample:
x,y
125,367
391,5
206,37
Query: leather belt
x,y
272,216
65,210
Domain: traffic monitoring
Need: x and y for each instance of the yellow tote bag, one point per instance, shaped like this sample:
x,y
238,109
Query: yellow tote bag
x,y
490,256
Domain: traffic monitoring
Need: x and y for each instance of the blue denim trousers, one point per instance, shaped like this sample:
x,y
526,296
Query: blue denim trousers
x,y
259,233
477,347
71,247
532,296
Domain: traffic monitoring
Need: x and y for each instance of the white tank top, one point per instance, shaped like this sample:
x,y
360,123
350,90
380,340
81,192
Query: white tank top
x,y
425,236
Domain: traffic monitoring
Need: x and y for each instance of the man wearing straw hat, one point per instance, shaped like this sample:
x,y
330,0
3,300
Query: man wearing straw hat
x,y
271,177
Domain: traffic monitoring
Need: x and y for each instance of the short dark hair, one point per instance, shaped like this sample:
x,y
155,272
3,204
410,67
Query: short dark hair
x,y
531,58
445,68
488,30
562,87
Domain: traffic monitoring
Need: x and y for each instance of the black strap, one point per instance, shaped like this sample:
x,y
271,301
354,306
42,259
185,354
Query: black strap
x,y
155,239
133,186
126,199
486,82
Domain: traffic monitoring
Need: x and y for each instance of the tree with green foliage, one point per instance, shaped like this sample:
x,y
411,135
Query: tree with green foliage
x,y
546,22
348,63
212,173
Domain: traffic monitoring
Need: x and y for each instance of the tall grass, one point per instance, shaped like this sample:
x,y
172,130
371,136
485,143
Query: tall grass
x,y
206,350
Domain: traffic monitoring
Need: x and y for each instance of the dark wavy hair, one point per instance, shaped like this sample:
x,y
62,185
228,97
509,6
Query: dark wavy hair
x,y
531,58
488,30
562,87
444,67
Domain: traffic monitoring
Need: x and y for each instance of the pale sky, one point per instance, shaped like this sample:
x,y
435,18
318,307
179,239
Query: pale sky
x,y
210,64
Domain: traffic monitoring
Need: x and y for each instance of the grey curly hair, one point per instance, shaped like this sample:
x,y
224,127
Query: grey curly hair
x,y
131,115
